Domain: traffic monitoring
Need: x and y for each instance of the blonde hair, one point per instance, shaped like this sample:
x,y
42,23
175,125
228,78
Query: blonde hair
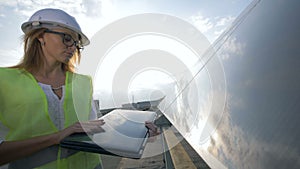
x,y
33,58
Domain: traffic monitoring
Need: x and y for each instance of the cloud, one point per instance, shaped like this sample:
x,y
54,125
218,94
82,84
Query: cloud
x,y
231,48
204,24
2,16
222,24
225,21
88,13
7,3
211,27
92,8
27,7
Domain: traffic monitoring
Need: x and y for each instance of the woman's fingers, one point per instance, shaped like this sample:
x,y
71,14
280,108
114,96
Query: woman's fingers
x,y
153,130
97,121
151,126
94,126
91,127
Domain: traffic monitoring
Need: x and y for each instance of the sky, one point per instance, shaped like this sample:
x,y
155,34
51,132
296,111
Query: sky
x,y
210,17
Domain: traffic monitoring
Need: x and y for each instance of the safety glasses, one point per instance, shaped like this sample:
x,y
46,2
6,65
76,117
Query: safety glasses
x,y
67,39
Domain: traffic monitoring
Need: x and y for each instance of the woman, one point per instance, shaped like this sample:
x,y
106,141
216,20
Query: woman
x,y
43,100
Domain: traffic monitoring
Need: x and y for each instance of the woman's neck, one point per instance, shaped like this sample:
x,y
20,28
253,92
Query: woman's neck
x,y
54,77
50,71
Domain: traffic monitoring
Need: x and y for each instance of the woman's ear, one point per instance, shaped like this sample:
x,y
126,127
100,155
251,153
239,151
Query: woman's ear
x,y
41,40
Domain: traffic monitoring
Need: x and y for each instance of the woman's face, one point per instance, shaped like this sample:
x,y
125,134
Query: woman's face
x,y
58,45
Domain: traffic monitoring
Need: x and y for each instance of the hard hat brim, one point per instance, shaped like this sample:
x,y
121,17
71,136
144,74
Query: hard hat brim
x,y
31,25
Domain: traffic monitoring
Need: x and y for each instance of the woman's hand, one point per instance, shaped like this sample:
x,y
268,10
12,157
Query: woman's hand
x,y
153,130
90,127
13,150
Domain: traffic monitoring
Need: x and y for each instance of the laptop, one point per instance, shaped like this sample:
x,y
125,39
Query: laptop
x,y
125,135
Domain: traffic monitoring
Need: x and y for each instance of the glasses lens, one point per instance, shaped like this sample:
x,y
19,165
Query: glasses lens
x,y
68,40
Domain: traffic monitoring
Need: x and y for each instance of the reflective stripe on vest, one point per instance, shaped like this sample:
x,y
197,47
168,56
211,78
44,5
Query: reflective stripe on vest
x,y
24,111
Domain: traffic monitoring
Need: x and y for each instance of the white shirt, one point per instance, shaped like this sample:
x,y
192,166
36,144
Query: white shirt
x,y
55,109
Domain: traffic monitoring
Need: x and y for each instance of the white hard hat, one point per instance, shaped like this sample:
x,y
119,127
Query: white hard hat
x,y
49,18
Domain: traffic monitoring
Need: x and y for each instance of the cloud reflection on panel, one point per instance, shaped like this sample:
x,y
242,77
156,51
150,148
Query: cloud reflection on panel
x,y
196,103
259,127
232,48
237,149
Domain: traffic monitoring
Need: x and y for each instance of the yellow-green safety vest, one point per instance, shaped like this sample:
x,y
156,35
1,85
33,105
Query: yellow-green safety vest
x,y
24,111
